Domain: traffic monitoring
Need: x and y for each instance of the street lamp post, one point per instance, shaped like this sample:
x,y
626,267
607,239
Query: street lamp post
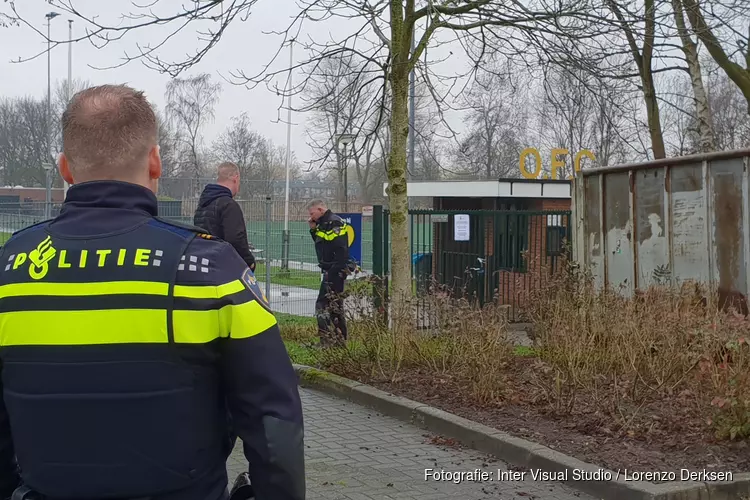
x,y
285,234
48,189
70,83
48,170
344,140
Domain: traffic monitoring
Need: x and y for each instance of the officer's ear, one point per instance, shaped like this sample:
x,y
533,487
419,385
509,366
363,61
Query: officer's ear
x,y
64,168
154,163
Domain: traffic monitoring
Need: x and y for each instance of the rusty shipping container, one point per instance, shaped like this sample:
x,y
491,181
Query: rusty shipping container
x,y
667,221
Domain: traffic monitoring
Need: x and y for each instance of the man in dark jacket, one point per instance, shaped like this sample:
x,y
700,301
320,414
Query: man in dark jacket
x,y
124,338
331,236
221,216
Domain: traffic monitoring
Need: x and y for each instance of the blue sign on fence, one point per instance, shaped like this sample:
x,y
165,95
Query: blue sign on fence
x,y
355,235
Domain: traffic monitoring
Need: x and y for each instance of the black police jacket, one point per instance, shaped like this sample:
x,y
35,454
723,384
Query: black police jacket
x,y
123,338
331,239
221,216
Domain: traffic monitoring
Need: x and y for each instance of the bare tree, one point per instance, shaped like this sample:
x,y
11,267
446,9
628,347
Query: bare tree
x,y
169,146
259,160
719,19
382,33
643,56
728,108
190,106
496,122
240,144
7,18
690,49
269,166
681,129
430,155
340,100
23,142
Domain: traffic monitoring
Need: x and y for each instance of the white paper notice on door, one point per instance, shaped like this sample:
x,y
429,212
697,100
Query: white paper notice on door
x,y
461,226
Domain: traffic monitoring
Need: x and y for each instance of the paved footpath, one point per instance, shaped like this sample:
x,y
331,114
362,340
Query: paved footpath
x,y
354,453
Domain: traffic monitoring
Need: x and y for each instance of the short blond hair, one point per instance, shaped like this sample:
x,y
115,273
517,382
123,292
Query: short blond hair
x,y
226,171
107,131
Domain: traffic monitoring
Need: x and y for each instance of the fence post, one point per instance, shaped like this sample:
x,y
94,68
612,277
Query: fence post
x,y
268,248
377,257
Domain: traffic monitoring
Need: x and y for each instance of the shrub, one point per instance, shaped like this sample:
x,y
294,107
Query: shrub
x,y
625,353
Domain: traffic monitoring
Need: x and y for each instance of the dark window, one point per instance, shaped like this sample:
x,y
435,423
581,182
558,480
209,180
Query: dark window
x,y
556,234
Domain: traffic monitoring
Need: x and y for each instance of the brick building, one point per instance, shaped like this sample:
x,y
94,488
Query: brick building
x,y
516,226
22,194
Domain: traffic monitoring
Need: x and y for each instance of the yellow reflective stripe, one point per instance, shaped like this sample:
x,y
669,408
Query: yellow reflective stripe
x,y
331,234
208,291
74,289
325,236
111,326
196,327
239,321
245,320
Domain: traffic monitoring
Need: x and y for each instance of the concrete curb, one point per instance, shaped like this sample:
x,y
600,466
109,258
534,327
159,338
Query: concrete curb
x,y
520,452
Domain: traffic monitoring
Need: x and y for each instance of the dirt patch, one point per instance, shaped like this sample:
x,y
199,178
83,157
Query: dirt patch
x,y
668,435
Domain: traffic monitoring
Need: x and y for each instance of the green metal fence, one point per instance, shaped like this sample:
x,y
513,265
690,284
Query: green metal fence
x,y
478,255
481,255
292,289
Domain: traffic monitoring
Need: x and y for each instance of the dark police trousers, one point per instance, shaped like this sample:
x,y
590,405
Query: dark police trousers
x,y
329,309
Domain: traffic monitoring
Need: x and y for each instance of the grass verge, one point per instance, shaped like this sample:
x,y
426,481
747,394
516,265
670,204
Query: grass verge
x,y
289,277
664,375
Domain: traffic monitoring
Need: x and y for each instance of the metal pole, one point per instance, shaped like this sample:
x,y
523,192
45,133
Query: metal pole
x,y
70,83
268,248
412,108
285,234
346,180
48,191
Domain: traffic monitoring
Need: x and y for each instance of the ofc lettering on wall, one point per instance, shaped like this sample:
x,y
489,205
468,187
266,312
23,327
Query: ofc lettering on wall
x,y
556,163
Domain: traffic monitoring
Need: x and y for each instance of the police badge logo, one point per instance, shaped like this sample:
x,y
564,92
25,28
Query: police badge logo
x,y
252,284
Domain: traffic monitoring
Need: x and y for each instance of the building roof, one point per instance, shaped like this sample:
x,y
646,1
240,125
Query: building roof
x,y
501,188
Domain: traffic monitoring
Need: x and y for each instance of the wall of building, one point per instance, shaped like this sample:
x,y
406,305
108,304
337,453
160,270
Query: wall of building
x,y
514,286
32,194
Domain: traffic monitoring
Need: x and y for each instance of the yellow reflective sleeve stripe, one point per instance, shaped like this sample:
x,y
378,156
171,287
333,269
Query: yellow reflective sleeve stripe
x,y
83,289
196,327
245,320
111,326
239,321
208,291
331,235
120,288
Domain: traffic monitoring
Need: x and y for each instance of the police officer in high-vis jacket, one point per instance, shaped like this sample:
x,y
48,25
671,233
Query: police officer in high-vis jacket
x,y
125,338
331,236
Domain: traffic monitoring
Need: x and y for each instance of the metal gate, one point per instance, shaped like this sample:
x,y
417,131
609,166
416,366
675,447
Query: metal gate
x,y
479,255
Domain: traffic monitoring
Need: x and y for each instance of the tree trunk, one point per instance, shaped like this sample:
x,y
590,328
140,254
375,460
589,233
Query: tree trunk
x,y
652,116
702,110
398,200
397,197
739,75
642,60
649,89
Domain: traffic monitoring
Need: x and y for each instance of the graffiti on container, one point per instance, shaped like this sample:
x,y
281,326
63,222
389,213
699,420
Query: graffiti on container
x,y
556,163
662,275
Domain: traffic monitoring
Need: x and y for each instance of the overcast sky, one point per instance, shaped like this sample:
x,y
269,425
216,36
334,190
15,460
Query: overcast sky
x,y
244,46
